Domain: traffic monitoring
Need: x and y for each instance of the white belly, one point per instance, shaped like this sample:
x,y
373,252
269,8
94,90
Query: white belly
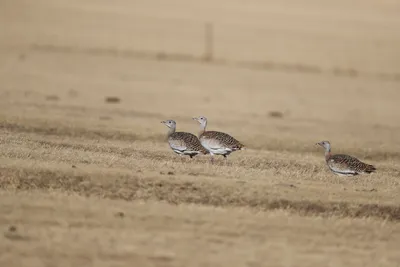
x,y
342,172
214,147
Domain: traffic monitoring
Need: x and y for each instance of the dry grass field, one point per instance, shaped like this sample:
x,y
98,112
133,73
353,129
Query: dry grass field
x,y
86,175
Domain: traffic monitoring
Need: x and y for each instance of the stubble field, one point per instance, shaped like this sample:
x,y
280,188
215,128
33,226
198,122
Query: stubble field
x,y
90,181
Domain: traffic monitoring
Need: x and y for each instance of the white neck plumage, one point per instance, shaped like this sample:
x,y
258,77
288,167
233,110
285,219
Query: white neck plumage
x,y
327,152
203,126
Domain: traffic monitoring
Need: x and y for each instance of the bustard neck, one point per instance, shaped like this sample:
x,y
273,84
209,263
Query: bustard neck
x,y
327,154
171,131
203,126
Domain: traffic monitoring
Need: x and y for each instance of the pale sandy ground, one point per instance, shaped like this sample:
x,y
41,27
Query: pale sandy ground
x,y
59,230
70,162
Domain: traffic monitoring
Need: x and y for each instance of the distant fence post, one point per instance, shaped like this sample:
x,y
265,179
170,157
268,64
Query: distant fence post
x,y
209,41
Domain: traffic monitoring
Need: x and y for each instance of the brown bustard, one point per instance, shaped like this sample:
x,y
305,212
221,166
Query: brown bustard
x,y
217,143
183,143
344,165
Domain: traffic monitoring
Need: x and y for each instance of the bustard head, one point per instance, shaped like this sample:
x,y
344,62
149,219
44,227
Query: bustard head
x,y
202,120
325,144
170,123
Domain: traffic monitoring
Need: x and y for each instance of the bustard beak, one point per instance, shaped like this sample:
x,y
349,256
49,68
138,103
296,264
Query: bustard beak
x,y
194,118
163,122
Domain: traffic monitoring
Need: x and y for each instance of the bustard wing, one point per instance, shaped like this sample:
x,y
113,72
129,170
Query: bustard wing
x,y
193,143
347,164
176,142
220,139
186,142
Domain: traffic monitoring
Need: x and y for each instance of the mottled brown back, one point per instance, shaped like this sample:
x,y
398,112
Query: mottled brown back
x,y
225,139
346,162
189,140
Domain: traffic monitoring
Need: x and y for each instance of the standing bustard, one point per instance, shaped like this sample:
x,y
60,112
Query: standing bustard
x,y
344,165
183,143
217,143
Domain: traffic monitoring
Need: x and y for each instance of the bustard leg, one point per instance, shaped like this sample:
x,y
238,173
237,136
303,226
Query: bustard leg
x,y
212,158
227,162
182,158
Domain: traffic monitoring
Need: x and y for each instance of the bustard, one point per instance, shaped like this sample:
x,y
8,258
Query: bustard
x,y
344,165
217,143
183,143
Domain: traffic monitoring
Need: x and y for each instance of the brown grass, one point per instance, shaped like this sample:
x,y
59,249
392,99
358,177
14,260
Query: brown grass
x,y
86,182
